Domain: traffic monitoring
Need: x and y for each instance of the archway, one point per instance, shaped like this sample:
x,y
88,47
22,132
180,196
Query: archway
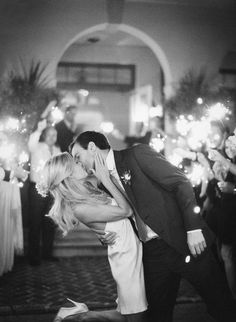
x,y
144,37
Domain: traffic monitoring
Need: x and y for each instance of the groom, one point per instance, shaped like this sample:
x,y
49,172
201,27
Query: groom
x,y
176,240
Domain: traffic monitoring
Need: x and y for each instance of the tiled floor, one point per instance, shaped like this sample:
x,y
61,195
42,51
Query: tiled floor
x,y
35,293
46,287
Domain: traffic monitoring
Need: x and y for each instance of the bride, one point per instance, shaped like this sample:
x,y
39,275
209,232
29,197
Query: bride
x,y
78,199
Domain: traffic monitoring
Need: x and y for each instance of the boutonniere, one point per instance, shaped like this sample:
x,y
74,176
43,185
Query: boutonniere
x,y
126,177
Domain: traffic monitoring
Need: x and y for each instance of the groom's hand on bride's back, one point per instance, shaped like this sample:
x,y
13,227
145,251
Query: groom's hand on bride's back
x,y
107,238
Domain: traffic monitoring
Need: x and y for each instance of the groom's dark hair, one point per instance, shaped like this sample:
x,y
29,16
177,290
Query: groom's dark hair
x,y
84,138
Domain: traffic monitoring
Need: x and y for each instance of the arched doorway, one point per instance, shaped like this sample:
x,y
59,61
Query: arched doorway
x,y
135,32
157,55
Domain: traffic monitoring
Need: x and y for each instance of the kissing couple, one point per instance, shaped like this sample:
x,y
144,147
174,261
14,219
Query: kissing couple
x,y
150,221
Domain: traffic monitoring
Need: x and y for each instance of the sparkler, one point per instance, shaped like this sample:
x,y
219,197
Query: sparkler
x,y
107,127
195,133
183,125
218,112
158,143
23,158
11,154
199,100
196,174
175,159
56,114
12,124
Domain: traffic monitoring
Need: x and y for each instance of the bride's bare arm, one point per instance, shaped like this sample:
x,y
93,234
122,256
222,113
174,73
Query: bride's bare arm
x,y
95,213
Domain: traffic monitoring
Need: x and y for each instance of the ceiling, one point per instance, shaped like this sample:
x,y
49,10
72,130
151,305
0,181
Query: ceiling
x,y
108,37
112,36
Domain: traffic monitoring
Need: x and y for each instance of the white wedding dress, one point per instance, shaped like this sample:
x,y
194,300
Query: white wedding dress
x,y
125,258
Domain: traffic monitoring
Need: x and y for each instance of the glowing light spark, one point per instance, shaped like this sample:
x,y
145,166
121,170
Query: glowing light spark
x,y
83,92
182,125
196,209
175,159
12,124
107,127
40,166
199,100
187,259
56,114
196,175
198,134
218,111
190,117
157,143
23,157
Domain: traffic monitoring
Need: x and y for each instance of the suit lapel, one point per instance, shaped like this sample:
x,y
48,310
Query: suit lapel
x,y
121,167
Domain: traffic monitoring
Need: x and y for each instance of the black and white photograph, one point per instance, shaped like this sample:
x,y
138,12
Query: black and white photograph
x,y
118,160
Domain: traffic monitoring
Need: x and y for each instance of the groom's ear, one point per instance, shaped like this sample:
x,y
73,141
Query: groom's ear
x,y
92,147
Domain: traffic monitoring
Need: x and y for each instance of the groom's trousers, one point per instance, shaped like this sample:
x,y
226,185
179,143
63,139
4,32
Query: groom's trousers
x,y
163,269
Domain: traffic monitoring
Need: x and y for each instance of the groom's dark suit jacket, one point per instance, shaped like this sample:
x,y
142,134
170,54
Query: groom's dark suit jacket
x,y
161,194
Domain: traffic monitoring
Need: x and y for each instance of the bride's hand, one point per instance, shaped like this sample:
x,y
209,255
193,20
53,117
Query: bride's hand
x,y
101,171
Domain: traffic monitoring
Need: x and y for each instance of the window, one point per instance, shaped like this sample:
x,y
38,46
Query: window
x,y
117,77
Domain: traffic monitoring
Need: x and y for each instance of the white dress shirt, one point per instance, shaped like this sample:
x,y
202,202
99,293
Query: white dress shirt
x,y
40,153
110,161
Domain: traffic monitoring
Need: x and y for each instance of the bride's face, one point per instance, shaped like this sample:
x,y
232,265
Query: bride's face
x,y
79,172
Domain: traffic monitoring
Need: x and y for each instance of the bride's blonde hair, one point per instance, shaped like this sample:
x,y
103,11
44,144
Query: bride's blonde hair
x,y
67,191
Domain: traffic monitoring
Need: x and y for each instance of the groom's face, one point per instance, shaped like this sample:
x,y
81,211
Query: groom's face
x,y
85,156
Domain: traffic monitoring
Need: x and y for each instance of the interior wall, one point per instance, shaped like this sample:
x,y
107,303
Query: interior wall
x,y
190,36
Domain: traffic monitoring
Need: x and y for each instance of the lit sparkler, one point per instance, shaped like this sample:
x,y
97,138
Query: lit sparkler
x,y
198,133
218,111
23,158
12,124
175,159
56,115
183,125
196,175
107,127
157,143
199,100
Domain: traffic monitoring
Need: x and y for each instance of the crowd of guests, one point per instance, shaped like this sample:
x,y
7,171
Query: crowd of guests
x,y
47,140
216,194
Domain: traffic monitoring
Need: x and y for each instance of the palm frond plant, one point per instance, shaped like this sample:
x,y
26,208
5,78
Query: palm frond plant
x,y
25,92
194,85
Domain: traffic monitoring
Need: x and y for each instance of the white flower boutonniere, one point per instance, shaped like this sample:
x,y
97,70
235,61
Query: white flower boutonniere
x,y
126,177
